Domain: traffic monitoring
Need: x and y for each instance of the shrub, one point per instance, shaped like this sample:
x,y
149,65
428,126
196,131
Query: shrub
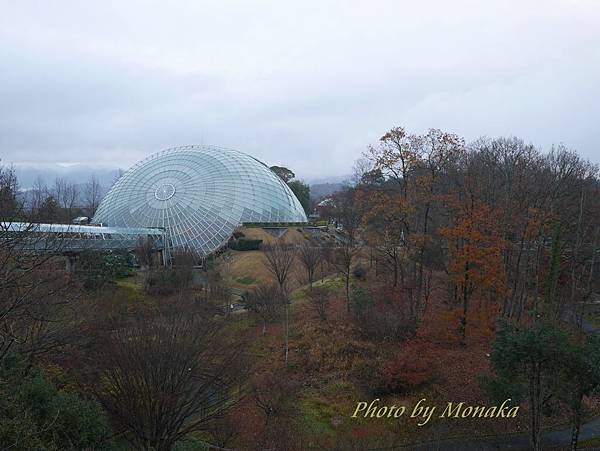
x,y
182,263
360,300
381,314
119,263
165,281
414,367
243,244
96,268
265,302
319,298
35,415
237,234
408,372
360,272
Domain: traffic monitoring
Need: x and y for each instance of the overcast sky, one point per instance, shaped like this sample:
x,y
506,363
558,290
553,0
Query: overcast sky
x,y
307,84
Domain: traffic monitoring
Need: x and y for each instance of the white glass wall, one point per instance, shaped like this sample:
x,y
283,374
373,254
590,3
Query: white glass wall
x,y
199,194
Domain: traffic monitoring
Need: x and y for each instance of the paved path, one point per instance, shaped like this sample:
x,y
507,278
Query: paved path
x,y
550,439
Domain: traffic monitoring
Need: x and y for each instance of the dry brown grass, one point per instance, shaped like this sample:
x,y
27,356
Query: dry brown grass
x,y
252,263
248,264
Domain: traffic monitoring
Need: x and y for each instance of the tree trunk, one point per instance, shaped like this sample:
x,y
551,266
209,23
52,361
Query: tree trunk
x,y
576,426
287,332
348,290
535,405
508,307
465,296
422,254
574,437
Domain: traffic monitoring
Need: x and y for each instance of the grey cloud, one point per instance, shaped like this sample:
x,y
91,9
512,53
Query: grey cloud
x,y
296,84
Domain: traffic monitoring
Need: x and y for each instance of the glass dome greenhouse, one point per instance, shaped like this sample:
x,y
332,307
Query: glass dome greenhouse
x,y
199,195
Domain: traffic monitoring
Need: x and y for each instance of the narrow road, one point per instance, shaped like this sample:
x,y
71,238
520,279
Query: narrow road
x,y
550,439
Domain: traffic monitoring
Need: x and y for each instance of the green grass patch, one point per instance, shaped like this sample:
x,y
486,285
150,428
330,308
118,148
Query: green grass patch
x,y
129,283
331,282
299,294
247,280
316,415
341,389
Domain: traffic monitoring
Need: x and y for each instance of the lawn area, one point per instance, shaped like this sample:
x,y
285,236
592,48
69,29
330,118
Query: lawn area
x,y
247,280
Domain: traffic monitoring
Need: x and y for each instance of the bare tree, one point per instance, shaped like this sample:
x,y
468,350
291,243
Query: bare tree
x,y
279,259
274,396
224,430
310,257
66,194
144,251
361,168
215,287
350,215
176,279
265,302
183,262
92,193
165,379
118,174
319,298
10,204
32,294
37,195
326,250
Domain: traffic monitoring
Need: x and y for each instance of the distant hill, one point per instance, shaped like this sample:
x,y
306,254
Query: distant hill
x,y
319,190
77,173
327,179
80,174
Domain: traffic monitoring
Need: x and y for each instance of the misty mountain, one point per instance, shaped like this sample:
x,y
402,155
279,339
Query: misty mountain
x,y
77,173
80,174
319,190
339,179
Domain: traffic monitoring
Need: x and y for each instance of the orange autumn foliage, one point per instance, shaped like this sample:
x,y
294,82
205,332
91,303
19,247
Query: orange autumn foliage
x,y
416,365
475,247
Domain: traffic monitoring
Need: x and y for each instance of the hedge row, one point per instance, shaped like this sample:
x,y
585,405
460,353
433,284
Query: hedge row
x,y
274,224
243,244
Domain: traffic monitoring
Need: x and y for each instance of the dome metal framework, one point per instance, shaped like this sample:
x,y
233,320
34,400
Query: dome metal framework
x,y
199,195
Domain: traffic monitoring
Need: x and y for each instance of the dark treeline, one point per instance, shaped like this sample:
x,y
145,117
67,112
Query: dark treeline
x,y
59,202
502,219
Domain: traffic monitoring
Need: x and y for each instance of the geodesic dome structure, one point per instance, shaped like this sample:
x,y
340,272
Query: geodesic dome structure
x,y
199,195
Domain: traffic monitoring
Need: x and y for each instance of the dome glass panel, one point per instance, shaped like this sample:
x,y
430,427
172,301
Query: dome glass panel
x,y
199,195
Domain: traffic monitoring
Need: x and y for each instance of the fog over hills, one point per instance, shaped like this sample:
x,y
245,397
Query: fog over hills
x,y
106,175
320,190
74,173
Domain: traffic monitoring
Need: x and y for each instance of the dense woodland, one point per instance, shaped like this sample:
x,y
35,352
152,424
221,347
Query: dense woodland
x,y
446,270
